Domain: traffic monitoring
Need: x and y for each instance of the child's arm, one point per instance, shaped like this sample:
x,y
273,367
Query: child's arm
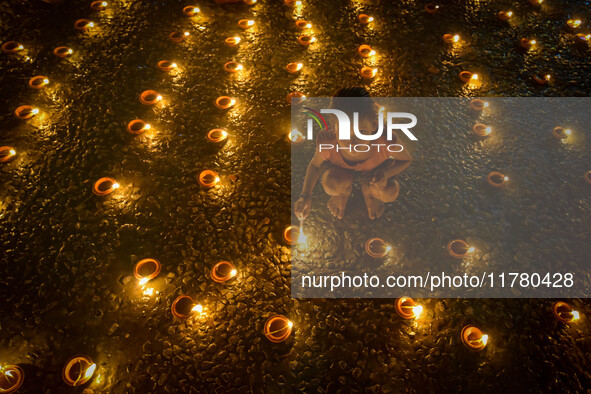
x,y
304,203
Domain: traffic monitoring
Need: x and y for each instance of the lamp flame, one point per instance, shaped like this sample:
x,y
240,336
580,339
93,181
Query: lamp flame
x,y
116,185
456,38
90,371
35,111
471,249
484,339
417,310
197,308
576,315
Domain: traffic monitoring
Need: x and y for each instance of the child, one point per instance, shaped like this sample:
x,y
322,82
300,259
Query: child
x,y
337,169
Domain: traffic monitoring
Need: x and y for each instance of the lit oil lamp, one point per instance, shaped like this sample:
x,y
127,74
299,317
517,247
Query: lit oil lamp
x,y
62,52
289,234
587,176
191,10
293,3
232,41
473,338
561,133
306,40
208,179
166,65
295,98
583,39
564,312
245,23
137,126
184,306
83,24
38,82
78,370
277,328
302,24
536,2
526,43
407,308
573,23
11,378
150,97
98,5
295,137
365,51
504,16
377,248
7,153
11,47
223,271
146,269
104,186
250,2
459,249
542,80
482,130
365,19
368,72
468,77
177,36
293,68
232,67
478,104
497,179
25,112
225,102
431,8
451,38
217,135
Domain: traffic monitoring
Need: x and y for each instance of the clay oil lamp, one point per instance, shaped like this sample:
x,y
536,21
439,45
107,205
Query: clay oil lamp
x,y
223,271
407,308
536,2
295,98
573,23
11,47
250,2
98,5
377,248
293,3
137,126
62,52
459,249
225,102
473,338
431,8
190,10
365,51
83,24
208,179
504,16
478,104
302,24
177,37
7,153
295,137
290,233
542,80
245,23
150,97
38,82
11,378
497,179
217,135
468,77
277,328
293,68
104,186
78,370
368,72
451,38
526,43
25,112
587,177
561,133
232,41
166,65
232,67
306,40
365,19
184,306
482,130
146,269
564,312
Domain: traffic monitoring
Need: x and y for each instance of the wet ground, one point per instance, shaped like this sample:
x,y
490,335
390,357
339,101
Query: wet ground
x,y
67,256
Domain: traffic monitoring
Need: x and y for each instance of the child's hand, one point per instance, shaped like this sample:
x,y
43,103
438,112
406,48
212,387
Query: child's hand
x,y
379,179
302,207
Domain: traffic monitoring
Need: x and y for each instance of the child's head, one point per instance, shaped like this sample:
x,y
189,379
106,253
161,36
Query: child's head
x,y
367,108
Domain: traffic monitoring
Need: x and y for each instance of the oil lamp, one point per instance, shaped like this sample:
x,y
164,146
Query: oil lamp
x,y
11,378
368,72
293,68
289,234
232,41
25,112
137,126
38,82
177,37
467,77
542,80
250,2
306,40
459,248
561,133
293,3
526,43
478,104
302,24
150,97
7,153
245,23
78,370
223,271
504,16
473,338
451,38
365,51
83,24
431,8
104,186
191,10
225,102
573,23
11,47
482,130
365,19
295,137
377,248
208,178
98,5
564,312
62,52
232,67
295,98
587,176
277,328
146,269
217,135
407,308
166,65
184,306
497,179
536,2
